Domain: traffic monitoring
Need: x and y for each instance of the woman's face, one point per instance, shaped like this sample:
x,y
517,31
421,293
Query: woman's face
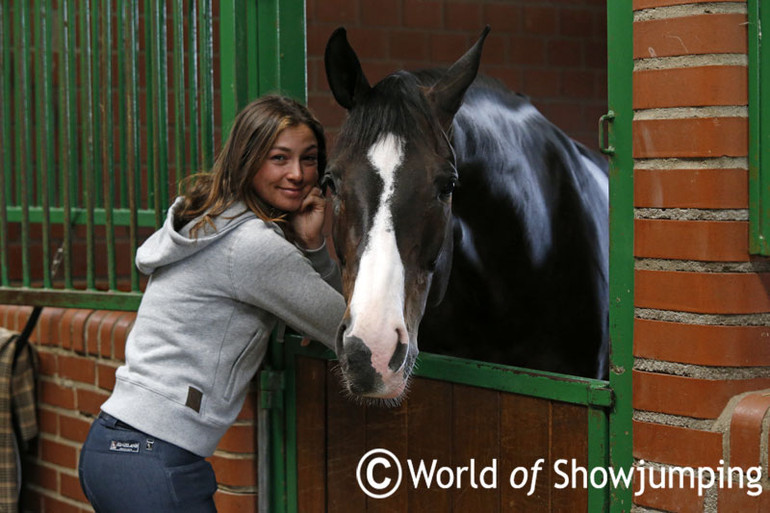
x,y
290,171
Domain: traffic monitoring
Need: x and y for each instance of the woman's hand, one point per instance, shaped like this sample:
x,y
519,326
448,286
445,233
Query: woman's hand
x,y
307,222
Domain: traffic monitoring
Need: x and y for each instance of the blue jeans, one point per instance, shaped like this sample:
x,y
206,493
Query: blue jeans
x,y
123,470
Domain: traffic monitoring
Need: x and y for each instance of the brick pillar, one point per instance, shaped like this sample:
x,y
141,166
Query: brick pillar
x,y
702,305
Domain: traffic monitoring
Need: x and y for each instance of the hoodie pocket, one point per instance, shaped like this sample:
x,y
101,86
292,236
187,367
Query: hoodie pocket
x,y
244,362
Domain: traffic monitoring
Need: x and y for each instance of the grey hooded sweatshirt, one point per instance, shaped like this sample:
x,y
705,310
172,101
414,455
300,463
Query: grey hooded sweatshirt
x,y
203,325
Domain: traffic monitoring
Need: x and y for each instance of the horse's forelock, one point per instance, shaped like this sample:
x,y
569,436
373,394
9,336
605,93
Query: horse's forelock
x,y
396,105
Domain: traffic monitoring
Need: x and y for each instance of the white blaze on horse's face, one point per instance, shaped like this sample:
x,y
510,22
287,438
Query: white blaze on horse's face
x,y
377,302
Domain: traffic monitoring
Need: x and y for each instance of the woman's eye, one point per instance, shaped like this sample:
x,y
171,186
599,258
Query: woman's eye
x,y
311,159
278,158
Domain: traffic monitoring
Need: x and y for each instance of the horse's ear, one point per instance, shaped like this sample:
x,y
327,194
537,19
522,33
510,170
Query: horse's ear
x,y
343,70
447,94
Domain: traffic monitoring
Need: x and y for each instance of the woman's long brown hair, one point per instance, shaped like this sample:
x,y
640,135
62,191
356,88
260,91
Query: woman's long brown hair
x,y
253,134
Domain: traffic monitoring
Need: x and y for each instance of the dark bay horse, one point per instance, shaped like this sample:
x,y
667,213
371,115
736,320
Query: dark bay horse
x,y
459,210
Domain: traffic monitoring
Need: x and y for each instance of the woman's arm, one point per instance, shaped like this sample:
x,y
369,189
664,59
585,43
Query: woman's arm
x,y
271,273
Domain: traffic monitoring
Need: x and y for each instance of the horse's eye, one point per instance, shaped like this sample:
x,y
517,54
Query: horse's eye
x,y
327,183
447,188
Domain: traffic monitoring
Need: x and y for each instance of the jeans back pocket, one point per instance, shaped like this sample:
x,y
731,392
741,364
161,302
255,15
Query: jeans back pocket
x,y
192,483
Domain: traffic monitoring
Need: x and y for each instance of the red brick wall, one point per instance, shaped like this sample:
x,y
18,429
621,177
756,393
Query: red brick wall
x,y
702,308
554,51
79,351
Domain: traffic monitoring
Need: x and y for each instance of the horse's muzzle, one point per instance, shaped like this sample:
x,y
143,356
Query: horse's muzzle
x,y
363,377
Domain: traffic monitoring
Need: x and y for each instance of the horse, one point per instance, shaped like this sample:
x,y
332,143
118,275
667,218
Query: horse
x,y
461,212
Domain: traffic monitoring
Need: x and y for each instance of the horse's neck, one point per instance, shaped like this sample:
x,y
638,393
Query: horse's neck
x,y
504,180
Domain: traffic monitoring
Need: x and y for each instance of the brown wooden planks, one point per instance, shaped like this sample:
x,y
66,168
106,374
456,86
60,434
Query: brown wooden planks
x,y
346,443
476,422
525,437
311,435
430,437
450,423
386,428
569,439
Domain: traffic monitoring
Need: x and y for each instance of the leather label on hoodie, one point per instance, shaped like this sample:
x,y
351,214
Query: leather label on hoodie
x,y
194,398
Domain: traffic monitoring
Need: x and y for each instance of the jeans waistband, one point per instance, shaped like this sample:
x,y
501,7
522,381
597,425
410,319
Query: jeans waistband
x,y
170,452
112,421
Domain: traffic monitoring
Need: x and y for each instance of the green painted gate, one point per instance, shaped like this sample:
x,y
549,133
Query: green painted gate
x,y
456,411
98,127
106,105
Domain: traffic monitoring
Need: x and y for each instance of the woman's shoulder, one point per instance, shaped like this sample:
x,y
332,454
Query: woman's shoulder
x,y
257,235
260,247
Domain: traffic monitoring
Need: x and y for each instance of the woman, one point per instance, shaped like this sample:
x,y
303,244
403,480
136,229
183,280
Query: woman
x,y
240,250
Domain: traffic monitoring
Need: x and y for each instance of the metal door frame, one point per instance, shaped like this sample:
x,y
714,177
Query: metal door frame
x,y
620,63
609,402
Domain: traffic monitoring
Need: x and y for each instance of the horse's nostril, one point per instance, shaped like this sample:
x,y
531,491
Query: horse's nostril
x,y
399,357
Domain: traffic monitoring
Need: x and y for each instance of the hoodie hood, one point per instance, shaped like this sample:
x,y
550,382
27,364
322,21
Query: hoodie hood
x,y
167,246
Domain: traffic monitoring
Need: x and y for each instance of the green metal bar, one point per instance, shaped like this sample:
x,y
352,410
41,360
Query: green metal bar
x,y
157,129
69,298
598,432
45,157
755,104
159,141
22,131
233,74
96,109
133,151
620,21
67,131
282,54
6,146
120,217
278,425
194,92
759,131
108,181
179,90
87,117
207,83
122,180
252,50
505,378
290,435
163,166
150,101
546,385
269,73
292,57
